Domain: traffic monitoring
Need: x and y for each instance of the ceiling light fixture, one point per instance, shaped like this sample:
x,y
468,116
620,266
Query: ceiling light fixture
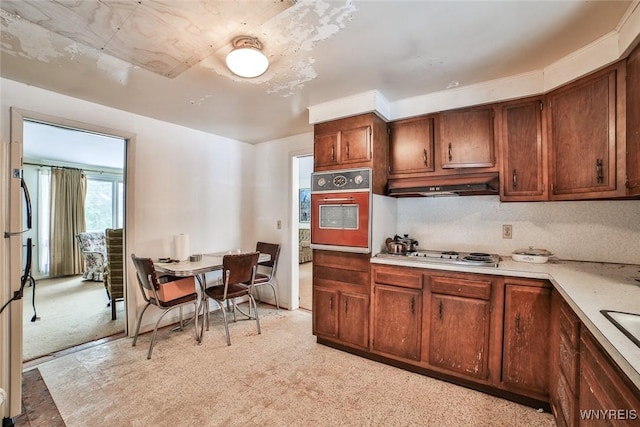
x,y
246,59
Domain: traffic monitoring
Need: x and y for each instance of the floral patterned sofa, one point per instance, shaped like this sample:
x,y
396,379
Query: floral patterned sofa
x,y
93,246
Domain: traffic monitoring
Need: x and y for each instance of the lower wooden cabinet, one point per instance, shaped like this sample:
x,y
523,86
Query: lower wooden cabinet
x,y
525,352
341,298
459,327
397,312
397,323
605,397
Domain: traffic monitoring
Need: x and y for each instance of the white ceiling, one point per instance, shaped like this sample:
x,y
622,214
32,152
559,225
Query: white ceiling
x,y
319,50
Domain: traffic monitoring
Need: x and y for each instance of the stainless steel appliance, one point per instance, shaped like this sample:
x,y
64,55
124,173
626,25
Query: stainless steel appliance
x,y
475,259
341,210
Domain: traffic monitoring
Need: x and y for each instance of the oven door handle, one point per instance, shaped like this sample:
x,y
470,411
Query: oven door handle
x,y
338,199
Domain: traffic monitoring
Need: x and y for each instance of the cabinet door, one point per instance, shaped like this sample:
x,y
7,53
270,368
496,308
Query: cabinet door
x,y
526,338
466,138
582,137
353,319
459,335
397,321
522,148
325,312
355,145
633,122
325,149
605,391
411,147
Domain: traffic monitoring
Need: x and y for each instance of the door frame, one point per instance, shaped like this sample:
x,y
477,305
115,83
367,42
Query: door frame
x,y
13,245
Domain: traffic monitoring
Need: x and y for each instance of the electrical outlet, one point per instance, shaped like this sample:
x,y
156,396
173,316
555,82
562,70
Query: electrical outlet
x,y
507,231
279,224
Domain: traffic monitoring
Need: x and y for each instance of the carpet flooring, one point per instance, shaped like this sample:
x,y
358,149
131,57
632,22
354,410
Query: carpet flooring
x,y
281,377
71,311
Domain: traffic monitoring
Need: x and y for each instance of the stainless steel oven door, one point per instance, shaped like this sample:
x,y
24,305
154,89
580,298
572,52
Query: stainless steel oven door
x,y
341,221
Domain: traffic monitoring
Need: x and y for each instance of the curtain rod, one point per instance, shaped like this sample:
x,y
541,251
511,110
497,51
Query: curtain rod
x,y
67,167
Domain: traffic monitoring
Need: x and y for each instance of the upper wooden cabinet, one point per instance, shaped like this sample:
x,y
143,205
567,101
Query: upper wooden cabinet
x,y
354,142
466,138
411,147
633,122
586,137
523,151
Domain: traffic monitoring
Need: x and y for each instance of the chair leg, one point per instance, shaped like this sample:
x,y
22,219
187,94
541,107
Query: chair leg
x,y
255,307
135,336
113,309
275,294
226,325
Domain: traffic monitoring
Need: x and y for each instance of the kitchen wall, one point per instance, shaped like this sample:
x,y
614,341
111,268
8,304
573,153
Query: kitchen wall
x,y
586,230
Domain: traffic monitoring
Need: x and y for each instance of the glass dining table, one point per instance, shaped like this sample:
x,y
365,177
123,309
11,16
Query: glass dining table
x,y
207,263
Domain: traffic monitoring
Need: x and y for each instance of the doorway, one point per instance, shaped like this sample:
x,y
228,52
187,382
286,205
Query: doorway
x,y
72,308
304,259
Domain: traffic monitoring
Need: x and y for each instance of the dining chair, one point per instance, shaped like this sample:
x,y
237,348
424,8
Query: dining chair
x,y
268,278
238,274
165,292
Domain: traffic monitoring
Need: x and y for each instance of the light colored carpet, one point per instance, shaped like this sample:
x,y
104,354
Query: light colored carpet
x,y
279,378
305,280
71,311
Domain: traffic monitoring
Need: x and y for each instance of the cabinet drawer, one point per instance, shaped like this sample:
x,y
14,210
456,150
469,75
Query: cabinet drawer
x,y
398,277
569,362
480,289
570,326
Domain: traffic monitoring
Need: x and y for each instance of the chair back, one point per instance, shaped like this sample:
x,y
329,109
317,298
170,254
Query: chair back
x,y
239,268
115,262
272,249
147,277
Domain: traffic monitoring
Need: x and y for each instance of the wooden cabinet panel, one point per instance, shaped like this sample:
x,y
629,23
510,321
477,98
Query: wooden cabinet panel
x,y
353,319
325,318
397,321
355,145
633,122
471,288
405,277
325,149
411,147
526,338
523,162
583,136
459,335
466,138
606,395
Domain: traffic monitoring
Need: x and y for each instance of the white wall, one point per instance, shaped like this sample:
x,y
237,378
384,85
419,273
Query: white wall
x,y
181,180
586,230
274,200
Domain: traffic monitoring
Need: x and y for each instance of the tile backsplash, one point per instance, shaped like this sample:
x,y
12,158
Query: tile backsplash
x,y
607,231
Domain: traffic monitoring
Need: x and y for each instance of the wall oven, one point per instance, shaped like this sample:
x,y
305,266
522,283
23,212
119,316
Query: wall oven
x,y
341,210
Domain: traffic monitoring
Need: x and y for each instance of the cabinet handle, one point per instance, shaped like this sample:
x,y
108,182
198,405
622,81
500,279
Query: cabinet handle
x,y
331,304
347,149
413,305
345,306
450,152
600,178
515,179
518,323
440,310
425,158
333,153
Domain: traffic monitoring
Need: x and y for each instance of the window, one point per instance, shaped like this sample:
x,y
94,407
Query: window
x,y
104,205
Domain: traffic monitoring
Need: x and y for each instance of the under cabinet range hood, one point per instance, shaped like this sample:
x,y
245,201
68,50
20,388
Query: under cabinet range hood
x,y
458,185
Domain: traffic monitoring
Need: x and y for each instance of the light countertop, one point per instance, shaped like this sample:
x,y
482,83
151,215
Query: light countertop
x,y
588,287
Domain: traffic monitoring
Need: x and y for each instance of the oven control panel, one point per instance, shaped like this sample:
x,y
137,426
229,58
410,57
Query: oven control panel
x,y
341,180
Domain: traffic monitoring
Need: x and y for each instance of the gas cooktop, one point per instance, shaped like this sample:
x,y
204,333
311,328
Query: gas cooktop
x,y
476,259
